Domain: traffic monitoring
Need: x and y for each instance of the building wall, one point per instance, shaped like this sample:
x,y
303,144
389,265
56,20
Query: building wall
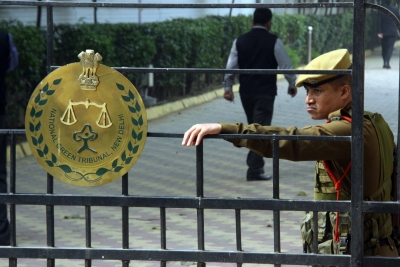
x,y
72,15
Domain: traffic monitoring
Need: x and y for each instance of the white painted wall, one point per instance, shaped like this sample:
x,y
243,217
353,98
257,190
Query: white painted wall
x,y
72,15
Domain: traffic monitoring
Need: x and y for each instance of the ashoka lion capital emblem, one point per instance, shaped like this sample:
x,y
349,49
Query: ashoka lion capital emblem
x,y
89,62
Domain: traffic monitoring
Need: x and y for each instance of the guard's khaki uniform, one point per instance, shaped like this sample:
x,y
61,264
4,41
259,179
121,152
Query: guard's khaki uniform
x,y
338,154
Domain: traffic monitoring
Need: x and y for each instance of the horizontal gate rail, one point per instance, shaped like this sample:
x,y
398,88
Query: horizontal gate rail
x,y
155,5
175,255
181,202
224,71
195,203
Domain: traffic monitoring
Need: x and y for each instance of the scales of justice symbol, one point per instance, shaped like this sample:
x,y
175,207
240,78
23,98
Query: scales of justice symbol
x,y
88,81
86,123
87,133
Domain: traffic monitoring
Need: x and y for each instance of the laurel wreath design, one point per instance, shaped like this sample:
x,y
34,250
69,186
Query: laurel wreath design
x,y
52,161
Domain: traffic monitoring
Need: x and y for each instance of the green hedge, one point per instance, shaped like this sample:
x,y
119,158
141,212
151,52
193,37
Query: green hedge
x,y
178,43
31,45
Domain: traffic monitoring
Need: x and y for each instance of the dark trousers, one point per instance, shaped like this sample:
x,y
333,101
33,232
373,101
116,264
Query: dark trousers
x,y
258,109
4,224
387,48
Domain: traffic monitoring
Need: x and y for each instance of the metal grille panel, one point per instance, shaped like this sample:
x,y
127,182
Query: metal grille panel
x,y
199,202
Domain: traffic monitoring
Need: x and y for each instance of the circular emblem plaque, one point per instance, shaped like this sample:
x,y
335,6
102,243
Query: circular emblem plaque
x,y
86,123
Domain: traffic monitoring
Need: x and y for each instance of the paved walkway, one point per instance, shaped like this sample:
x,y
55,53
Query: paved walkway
x,y
165,168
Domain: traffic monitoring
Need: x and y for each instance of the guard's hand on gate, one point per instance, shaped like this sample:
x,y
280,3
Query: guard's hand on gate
x,y
195,134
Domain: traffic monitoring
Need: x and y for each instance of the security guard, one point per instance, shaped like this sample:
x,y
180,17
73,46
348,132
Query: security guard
x,y
328,97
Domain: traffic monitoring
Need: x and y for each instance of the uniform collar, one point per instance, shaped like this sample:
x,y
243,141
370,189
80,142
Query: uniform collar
x,y
346,111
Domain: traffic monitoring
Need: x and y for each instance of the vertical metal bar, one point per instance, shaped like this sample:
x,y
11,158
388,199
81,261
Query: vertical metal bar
x,y
13,163
50,219
39,15
13,216
238,234
357,134
163,229
13,239
275,190
125,219
125,227
125,188
396,186
200,233
396,229
139,14
199,194
50,184
398,140
12,262
88,219
238,230
275,167
49,38
199,171
50,181
94,13
230,10
125,214
309,43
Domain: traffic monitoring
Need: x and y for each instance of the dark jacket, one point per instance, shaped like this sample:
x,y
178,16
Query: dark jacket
x,y
256,51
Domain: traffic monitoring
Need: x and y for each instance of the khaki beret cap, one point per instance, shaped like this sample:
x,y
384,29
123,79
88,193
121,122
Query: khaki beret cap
x,y
337,59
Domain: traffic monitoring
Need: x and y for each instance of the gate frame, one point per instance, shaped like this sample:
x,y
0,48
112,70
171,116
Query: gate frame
x,y
356,206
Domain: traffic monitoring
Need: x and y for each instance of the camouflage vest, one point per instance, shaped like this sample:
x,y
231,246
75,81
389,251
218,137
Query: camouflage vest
x,y
375,225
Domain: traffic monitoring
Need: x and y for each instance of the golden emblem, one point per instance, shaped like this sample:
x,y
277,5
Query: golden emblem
x,y
86,123
312,81
89,62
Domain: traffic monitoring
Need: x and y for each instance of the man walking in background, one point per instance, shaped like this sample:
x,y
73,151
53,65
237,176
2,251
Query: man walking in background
x,y
387,32
258,49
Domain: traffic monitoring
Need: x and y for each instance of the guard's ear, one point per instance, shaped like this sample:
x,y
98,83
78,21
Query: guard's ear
x,y
345,91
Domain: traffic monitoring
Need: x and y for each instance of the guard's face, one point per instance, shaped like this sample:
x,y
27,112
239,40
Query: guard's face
x,y
322,100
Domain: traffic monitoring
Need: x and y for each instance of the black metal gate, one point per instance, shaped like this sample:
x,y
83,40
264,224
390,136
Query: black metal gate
x,y
356,206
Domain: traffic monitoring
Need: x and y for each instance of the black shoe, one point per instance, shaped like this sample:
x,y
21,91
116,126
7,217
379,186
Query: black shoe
x,y
259,177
